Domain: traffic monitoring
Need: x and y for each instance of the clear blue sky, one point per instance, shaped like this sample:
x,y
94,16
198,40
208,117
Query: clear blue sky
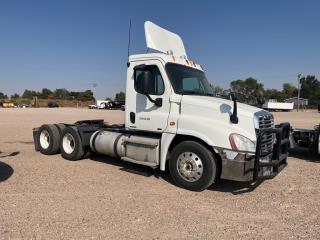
x,y
71,44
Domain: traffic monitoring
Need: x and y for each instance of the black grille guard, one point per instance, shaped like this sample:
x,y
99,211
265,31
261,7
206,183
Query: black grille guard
x,y
279,152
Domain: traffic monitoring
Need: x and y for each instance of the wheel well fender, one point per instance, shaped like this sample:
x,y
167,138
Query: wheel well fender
x,y
181,138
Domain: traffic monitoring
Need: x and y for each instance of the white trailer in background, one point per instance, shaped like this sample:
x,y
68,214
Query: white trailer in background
x,y
101,104
173,120
274,105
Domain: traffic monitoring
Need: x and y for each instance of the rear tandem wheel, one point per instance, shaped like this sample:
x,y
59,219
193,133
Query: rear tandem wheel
x,y
71,144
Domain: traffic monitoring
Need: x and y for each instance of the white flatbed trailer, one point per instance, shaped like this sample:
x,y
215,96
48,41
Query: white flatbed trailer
x,y
277,106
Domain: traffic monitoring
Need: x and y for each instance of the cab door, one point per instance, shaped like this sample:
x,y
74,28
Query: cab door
x,y
142,112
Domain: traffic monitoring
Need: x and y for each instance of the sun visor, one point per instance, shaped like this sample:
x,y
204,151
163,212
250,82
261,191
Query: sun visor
x,y
162,40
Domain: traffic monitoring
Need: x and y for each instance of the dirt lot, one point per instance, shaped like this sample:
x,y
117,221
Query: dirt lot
x,y
47,197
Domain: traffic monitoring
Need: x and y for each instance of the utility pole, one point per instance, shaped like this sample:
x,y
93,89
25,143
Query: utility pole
x,y
94,85
299,78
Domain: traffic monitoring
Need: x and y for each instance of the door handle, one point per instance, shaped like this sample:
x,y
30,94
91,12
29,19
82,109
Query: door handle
x,y
132,117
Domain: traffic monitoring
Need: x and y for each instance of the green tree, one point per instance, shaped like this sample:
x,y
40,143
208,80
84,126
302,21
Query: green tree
x,y
86,95
29,94
108,99
248,90
45,93
3,96
15,96
217,90
61,93
289,90
74,95
82,96
274,94
120,96
310,89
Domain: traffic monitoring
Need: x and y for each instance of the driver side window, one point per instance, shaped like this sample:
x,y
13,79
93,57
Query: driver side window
x,y
156,86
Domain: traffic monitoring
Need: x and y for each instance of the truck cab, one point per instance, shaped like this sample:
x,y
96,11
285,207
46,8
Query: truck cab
x,y
173,120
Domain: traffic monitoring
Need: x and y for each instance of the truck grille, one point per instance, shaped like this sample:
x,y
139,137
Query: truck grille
x,y
265,120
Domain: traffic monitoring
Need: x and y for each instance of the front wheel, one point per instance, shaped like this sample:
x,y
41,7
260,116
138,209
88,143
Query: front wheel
x,y
192,166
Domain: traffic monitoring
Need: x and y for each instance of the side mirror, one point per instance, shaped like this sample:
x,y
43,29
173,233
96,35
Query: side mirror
x,y
158,102
144,82
145,86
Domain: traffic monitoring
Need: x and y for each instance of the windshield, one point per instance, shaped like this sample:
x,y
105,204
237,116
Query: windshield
x,y
186,80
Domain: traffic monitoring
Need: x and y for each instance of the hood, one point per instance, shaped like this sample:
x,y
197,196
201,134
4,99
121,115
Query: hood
x,y
220,105
208,118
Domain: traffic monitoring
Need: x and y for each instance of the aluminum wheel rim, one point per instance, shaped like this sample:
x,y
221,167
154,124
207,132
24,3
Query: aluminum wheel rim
x,y
190,166
68,143
44,139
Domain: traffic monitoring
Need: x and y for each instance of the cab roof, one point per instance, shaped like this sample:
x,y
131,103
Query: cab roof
x,y
166,58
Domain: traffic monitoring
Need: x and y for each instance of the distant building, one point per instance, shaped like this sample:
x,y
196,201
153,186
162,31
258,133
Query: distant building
x,y
303,102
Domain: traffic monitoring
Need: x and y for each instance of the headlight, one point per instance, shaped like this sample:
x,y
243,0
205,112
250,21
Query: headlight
x,y
241,143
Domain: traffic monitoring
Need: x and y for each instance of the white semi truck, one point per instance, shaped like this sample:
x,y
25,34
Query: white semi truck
x,y
172,120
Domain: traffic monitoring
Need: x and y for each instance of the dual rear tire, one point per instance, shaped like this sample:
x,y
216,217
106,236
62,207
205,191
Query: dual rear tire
x,y
71,144
52,138
48,138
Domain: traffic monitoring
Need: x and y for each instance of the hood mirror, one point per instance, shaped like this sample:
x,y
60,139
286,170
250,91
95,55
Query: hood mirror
x,y
233,96
234,116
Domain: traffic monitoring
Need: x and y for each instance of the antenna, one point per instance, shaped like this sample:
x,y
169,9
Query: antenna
x,y
129,41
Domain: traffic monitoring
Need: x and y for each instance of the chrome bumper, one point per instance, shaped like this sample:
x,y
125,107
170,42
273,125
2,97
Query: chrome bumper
x,y
247,167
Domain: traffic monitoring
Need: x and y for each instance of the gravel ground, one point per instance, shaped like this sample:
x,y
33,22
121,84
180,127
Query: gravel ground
x,y
47,197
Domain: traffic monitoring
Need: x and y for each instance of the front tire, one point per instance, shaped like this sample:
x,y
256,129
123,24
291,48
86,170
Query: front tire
x,y
192,166
71,144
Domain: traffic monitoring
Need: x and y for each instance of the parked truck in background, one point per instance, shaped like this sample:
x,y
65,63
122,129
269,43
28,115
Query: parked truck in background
x,y
172,120
306,138
101,104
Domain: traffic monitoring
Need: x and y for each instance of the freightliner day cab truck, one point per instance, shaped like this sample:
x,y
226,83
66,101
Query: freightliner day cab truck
x,y
172,120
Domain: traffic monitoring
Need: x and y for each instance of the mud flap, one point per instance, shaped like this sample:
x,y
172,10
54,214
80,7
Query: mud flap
x,y
36,139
